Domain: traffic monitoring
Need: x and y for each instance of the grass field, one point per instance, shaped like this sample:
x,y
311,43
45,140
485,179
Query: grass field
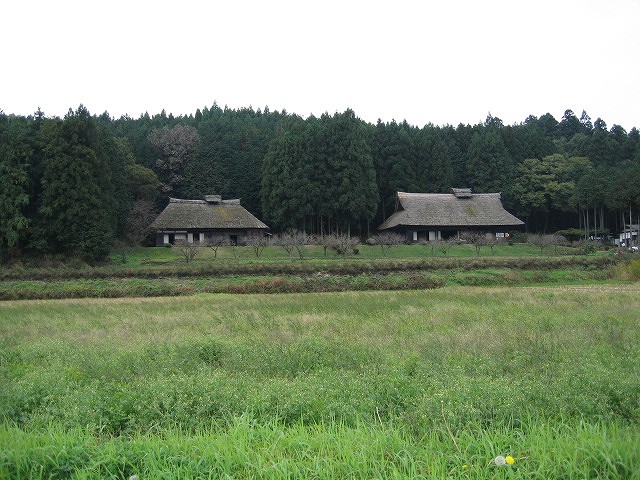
x,y
163,272
164,257
405,384
142,257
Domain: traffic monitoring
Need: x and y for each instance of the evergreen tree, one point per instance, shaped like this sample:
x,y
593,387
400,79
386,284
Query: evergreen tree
x,y
436,168
77,193
394,157
15,155
489,165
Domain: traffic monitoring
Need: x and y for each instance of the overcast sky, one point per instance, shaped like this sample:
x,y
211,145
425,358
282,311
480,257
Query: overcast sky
x,y
443,62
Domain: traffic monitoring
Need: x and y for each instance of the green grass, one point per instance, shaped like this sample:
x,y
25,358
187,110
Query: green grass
x,y
143,257
304,282
247,449
339,385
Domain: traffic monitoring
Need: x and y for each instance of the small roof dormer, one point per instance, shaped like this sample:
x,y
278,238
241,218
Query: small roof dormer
x,y
462,192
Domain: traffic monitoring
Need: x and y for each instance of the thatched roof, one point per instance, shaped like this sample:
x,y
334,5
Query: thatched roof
x,y
211,213
458,209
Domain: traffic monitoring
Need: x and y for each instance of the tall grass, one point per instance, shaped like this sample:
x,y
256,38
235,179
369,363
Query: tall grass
x,y
341,385
248,449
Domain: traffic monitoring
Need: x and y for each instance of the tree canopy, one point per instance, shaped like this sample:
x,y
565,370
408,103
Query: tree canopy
x,y
70,185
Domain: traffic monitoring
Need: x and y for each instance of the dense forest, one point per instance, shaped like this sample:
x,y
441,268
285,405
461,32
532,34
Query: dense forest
x,y
75,185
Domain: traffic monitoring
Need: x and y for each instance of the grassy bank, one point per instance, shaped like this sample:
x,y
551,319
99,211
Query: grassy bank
x,y
472,274
354,384
165,262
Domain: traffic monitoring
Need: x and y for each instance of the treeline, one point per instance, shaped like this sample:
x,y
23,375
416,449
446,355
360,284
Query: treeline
x,y
74,185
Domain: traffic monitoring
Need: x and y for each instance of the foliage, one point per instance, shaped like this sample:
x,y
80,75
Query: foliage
x,y
323,170
572,234
332,174
77,194
586,247
176,146
15,154
547,185
141,216
634,269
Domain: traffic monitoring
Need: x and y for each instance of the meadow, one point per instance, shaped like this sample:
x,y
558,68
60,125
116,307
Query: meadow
x,y
164,272
362,384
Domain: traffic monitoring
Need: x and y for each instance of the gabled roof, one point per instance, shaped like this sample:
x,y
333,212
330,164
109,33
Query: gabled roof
x,y
211,213
459,209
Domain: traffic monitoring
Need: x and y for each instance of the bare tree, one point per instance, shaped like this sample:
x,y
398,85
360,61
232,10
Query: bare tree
x,y
176,145
138,228
543,240
257,241
300,242
443,246
386,240
294,240
188,250
139,222
215,243
492,241
478,239
325,241
344,244
285,241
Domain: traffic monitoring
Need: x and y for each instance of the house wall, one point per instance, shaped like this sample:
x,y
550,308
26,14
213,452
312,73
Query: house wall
x,y
419,234
228,236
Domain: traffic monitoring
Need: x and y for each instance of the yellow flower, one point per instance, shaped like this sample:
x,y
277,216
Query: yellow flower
x,y
465,466
510,460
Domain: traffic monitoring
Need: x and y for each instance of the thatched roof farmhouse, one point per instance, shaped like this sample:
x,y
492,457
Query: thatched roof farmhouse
x,y
210,219
433,216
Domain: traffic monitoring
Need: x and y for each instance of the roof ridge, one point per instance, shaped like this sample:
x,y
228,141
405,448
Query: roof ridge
x,y
182,200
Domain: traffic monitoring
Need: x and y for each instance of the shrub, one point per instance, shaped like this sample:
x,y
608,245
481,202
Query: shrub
x,y
634,270
586,247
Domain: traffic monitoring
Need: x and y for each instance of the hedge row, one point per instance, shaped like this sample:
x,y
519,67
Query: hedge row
x,y
345,267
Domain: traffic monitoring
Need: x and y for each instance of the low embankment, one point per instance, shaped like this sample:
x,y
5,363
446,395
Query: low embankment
x,y
295,277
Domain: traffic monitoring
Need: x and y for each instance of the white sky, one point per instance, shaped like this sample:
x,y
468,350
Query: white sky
x,y
443,62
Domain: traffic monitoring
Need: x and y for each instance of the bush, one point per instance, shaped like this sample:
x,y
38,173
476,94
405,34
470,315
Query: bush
x,y
634,270
586,247
518,237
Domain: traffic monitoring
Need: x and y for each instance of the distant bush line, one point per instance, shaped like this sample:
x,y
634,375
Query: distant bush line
x,y
301,268
304,283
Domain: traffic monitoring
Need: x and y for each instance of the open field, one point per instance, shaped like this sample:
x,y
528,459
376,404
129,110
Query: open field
x,y
142,257
162,272
150,261
403,384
